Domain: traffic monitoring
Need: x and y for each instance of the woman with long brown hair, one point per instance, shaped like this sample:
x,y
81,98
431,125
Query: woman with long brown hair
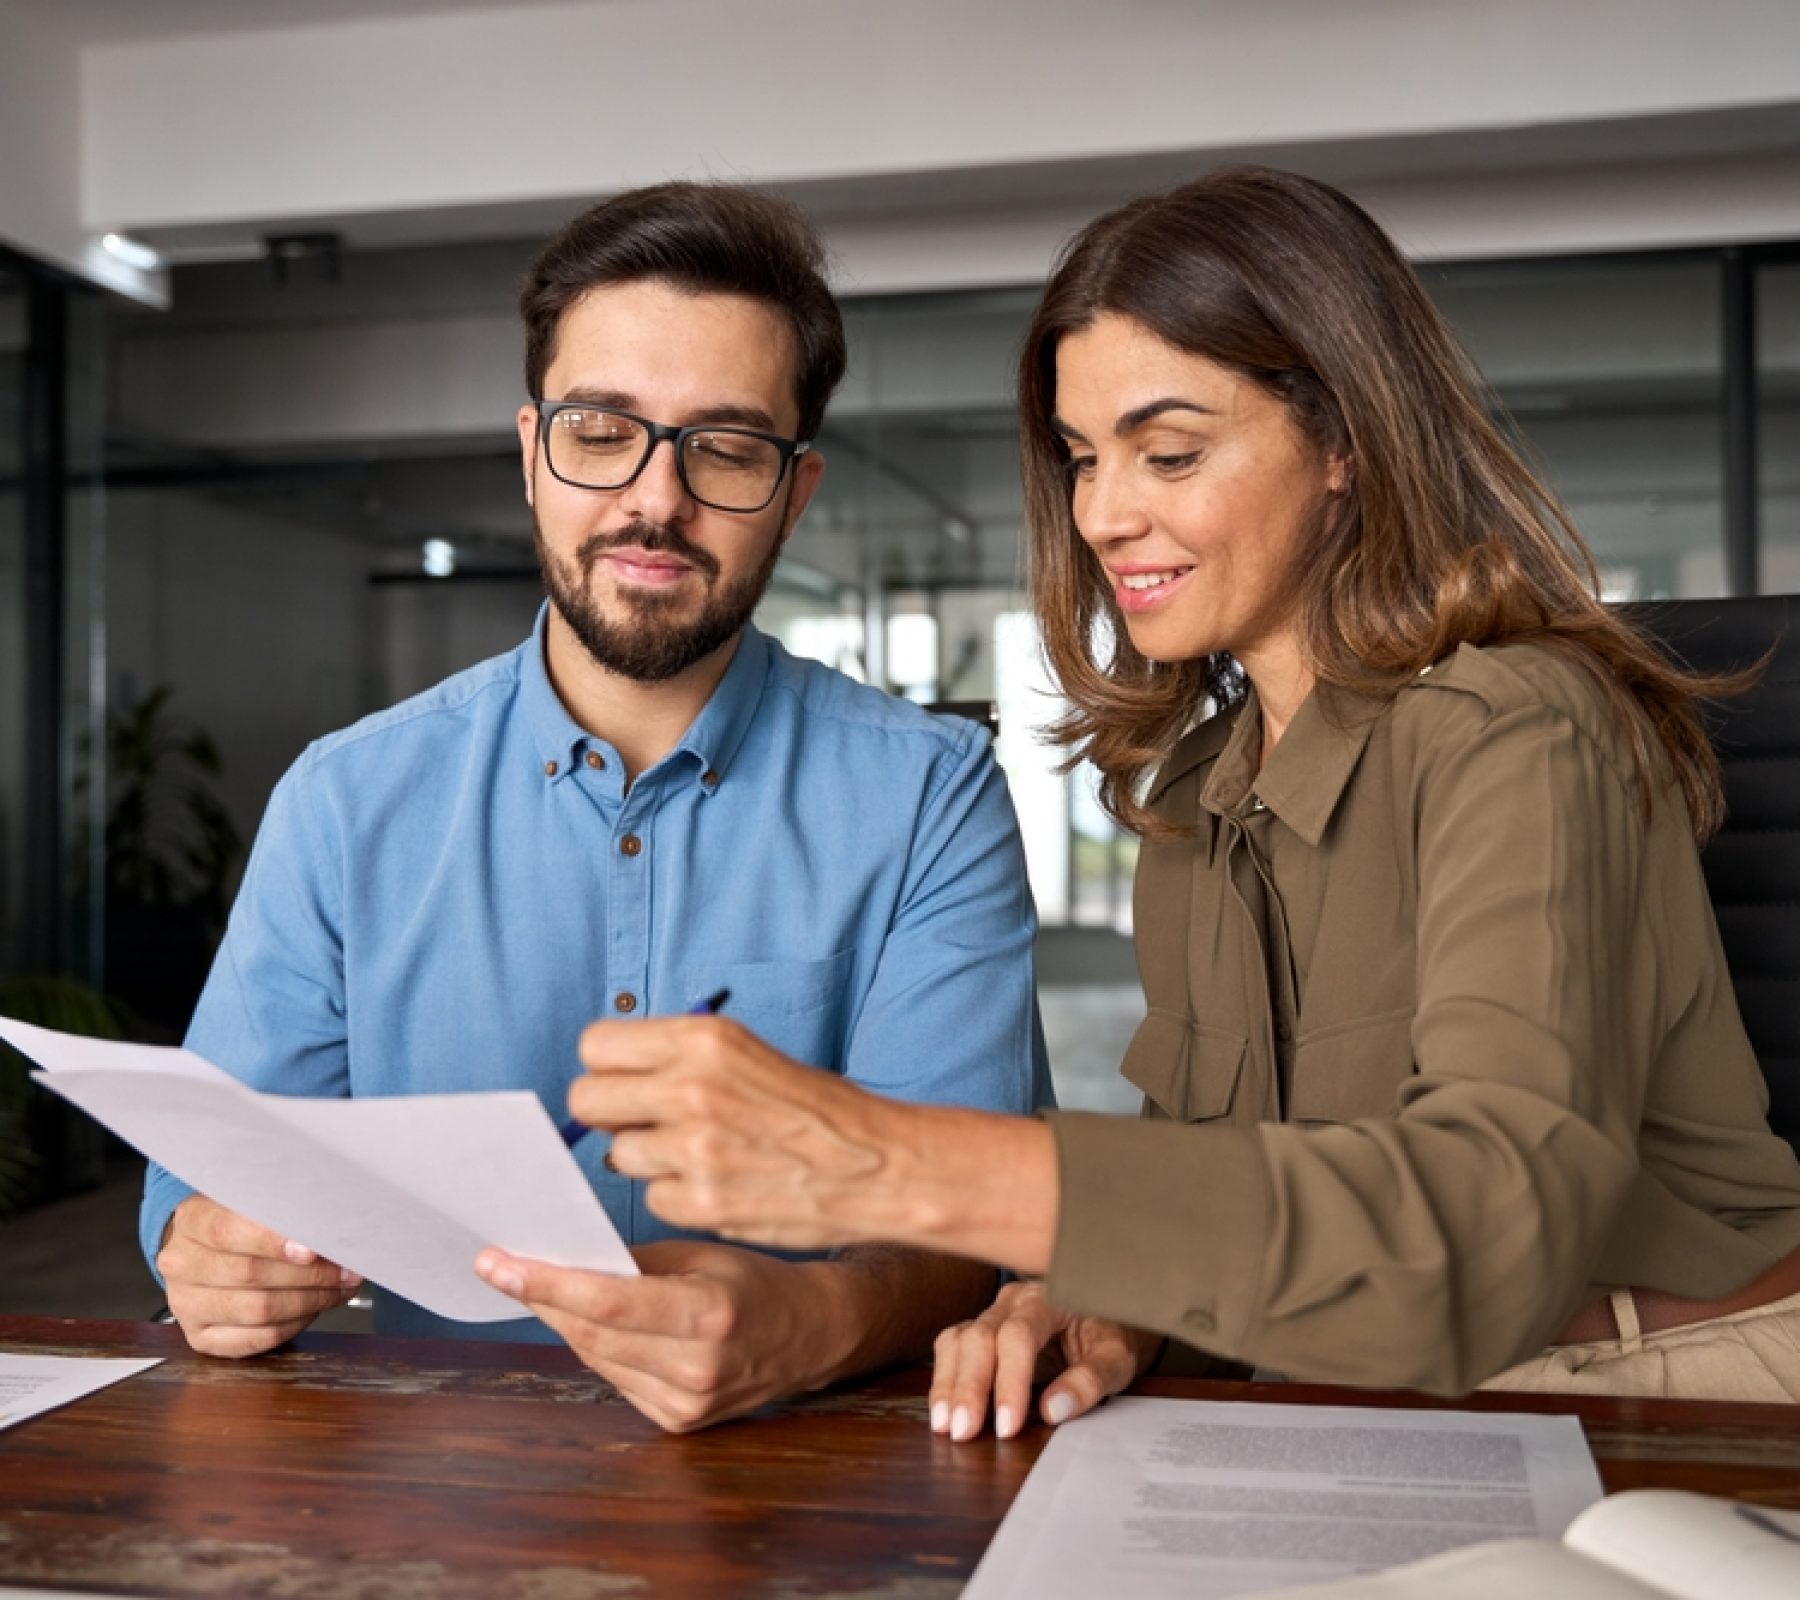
x,y
1445,1083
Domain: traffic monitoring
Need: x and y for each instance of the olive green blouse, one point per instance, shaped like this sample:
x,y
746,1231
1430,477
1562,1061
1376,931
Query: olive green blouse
x,y
1440,1043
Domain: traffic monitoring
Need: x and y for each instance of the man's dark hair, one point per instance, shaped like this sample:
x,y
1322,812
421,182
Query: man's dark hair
x,y
703,238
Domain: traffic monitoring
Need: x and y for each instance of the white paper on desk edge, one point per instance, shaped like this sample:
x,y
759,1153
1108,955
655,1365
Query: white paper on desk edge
x,y
57,1381
446,1173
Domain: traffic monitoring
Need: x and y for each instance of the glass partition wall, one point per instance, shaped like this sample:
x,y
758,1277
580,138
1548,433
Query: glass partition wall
x,y
51,622
13,677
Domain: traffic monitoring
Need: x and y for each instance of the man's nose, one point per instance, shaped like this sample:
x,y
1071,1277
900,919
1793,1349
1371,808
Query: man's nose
x,y
657,494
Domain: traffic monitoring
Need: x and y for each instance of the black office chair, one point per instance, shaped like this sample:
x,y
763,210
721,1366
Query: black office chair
x,y
1753,863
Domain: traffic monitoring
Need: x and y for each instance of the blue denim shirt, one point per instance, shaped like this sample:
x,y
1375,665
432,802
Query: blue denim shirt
x,y
442,896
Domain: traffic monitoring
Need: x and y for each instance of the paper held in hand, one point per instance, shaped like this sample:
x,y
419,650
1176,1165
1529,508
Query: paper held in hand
x,y
404,1190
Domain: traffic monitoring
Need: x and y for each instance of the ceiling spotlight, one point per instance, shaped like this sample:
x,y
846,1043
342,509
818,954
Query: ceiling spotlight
x,y
439,558
138,256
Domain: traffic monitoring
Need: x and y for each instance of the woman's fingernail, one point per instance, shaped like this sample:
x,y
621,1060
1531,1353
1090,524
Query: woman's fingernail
x,y
1059,1408
1003,1422
299,1254
348,1278
940,1416
962,1425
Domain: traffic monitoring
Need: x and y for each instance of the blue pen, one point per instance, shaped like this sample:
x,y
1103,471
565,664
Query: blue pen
x,y
574,1132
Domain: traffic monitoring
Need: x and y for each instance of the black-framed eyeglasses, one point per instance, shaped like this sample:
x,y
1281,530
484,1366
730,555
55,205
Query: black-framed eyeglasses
x,y
727,468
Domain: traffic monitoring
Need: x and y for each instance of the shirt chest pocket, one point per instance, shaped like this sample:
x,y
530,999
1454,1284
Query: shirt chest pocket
x,y
797,1006
1188,1073
1352,1070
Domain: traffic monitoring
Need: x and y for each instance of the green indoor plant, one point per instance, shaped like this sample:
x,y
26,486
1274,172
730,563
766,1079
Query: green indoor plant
x,y
46,1147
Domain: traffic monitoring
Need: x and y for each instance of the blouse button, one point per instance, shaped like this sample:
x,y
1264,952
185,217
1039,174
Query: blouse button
x,y
596,760
549,769
630,845
625,1002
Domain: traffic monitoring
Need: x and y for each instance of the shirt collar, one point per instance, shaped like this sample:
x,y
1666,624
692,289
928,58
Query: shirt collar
x,y
713,737
1195,748
1307,772
558,738
710,742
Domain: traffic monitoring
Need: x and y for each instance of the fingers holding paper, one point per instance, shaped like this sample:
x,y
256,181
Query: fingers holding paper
x,y
708,1332
734,1138
1001,1354
237,1289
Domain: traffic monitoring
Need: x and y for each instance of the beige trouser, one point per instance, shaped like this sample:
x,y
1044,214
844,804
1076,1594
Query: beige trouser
x,y
1748,1355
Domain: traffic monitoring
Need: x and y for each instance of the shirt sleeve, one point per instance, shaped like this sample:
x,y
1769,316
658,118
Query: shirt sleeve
x,y
1436,1248
272,1013
951,1014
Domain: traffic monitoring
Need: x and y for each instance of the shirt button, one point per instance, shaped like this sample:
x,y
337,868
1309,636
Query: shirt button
x,y
710,778
625,1002
596,760
630,845
1258,804
549,769
1283,1032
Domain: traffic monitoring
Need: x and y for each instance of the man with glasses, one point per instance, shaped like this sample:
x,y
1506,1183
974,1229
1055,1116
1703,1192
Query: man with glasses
x,y
647,803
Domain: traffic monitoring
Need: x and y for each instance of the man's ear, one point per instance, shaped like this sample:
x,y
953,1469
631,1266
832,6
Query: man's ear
x,y
808,470
528,449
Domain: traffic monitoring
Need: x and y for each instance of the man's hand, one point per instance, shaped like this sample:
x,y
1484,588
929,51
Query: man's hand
x,y
236,1288
709,1332
1021,1334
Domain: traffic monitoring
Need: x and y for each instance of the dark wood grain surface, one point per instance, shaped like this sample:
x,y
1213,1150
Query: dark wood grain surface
x,y
381,1469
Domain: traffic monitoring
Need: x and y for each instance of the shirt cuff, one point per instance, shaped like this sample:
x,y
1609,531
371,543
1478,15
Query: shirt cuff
x,y
163,1192
1161,1225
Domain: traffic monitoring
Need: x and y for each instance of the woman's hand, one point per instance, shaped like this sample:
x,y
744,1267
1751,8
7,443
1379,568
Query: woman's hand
x,y
733,1137
1003,1350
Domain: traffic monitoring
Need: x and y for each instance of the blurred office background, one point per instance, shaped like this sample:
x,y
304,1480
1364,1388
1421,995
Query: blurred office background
x,y
259,357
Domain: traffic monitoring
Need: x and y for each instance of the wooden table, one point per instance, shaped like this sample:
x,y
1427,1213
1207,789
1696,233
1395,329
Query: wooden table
x,y
385,1469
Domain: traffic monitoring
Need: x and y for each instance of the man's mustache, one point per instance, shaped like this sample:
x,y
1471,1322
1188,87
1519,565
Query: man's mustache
x,y
650,537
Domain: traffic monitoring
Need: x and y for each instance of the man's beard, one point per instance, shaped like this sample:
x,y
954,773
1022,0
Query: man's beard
x,y
649,644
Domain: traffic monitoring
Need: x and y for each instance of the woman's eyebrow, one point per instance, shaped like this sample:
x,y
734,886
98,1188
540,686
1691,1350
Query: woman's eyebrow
x,y
1132,420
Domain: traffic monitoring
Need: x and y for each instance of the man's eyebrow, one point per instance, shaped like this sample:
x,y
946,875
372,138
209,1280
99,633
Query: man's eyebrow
x,y
735,416
606,399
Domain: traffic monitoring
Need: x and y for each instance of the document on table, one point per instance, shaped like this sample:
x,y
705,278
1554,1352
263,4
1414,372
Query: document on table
x,y
404,1190
31,1385
1200,1499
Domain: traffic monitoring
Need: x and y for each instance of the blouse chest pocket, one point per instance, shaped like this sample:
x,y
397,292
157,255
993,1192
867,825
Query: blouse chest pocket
x,y
1352,1070
1188,1073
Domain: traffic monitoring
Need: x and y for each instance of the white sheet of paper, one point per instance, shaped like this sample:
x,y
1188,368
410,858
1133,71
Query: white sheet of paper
x,y
1202,1499
32,1385
405,1190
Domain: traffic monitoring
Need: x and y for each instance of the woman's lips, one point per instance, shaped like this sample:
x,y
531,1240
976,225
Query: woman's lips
x,y
1144,596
